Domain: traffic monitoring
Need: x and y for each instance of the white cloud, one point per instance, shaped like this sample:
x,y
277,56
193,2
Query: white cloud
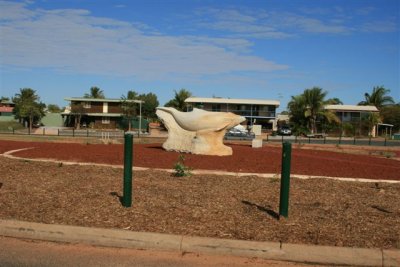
x,y
275,24
387,25
75,41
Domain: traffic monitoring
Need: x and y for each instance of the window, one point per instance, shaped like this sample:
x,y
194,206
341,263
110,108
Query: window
x,y
105,107
86,104
216,107
105,120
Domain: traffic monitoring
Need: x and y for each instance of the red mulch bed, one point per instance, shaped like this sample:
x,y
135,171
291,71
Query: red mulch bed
x,y
244,159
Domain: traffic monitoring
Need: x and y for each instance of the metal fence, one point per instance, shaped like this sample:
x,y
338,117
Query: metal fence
x,y
334,140
68,133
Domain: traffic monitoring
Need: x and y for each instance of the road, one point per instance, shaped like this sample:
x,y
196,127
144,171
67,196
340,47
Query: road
x,y
22,253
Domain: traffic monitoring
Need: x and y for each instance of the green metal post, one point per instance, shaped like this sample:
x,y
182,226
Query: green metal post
x,y
282,139
128,153
285,179
340,139
385,141
369,141
73,132
354,141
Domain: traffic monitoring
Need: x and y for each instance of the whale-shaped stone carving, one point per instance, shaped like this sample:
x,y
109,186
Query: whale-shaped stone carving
x,y
198,131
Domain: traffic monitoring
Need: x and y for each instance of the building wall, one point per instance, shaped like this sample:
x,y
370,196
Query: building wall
x,y
255,114
97,107
240,109
98,123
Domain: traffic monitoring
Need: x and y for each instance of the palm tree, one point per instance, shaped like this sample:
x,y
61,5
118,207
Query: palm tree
x,y
307,108
95,92
314,100
378,98
297,108
178,101
334,101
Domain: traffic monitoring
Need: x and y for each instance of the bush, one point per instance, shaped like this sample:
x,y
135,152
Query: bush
x,y
180,168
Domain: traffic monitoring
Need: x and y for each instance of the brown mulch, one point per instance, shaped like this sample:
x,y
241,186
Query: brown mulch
x,y
244,159
322,211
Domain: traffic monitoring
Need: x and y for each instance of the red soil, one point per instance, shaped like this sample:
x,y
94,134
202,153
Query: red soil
x,y
244,159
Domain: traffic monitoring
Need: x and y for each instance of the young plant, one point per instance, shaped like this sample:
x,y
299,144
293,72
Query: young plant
x,y
180,168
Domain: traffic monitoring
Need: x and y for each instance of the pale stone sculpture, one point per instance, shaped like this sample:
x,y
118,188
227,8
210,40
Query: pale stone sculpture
x,y
198,131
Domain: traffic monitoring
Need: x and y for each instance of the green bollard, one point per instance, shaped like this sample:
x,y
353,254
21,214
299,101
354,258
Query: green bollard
x,y
128,152
285,179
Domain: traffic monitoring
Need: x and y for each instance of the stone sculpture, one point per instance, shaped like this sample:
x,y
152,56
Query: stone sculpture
x,y
198,131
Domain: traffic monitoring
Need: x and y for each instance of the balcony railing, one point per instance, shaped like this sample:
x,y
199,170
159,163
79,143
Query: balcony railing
x,y
249,113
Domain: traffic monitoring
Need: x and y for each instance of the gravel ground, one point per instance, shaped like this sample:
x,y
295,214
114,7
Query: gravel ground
x,y
322,211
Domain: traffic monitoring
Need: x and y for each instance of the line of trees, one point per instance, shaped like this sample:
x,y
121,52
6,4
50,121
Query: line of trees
x,y
307,110
307,113
29,109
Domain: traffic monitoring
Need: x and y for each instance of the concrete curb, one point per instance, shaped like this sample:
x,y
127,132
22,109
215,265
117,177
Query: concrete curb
x,y
178,243
9,155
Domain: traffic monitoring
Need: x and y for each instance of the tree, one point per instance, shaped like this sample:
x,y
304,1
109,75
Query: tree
x,y
28,107
78,110
334,101
308,108
297,109
95,92
4,98
129,109
377,98
52,108
391,115
178,101
314,101
149,105
132,95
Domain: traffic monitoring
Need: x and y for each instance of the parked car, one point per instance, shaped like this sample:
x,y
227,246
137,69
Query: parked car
x,y
285,130
238,134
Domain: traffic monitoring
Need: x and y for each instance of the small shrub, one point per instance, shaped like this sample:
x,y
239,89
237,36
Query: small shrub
x,y
180,168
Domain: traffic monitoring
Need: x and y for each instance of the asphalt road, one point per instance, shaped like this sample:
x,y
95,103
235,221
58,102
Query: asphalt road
x,y
23,253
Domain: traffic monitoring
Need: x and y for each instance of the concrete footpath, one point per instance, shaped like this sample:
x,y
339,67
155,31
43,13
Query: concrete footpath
x,y
178,243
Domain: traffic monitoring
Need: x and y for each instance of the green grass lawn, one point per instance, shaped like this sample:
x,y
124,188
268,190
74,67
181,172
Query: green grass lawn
x,y
9,125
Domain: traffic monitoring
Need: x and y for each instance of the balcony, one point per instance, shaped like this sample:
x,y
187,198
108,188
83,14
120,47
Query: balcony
x,y
249,113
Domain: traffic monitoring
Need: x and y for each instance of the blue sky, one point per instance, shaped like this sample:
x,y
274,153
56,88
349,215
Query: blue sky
x,y
238,49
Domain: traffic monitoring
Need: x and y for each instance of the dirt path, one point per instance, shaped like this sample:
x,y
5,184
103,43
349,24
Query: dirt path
x,y
244,159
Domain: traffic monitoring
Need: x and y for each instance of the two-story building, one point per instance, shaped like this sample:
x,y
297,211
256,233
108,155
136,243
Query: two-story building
x,y
357,116
96,112
6,108
260,112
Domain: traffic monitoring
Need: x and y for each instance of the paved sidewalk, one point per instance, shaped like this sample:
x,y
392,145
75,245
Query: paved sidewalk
x,y
178,243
